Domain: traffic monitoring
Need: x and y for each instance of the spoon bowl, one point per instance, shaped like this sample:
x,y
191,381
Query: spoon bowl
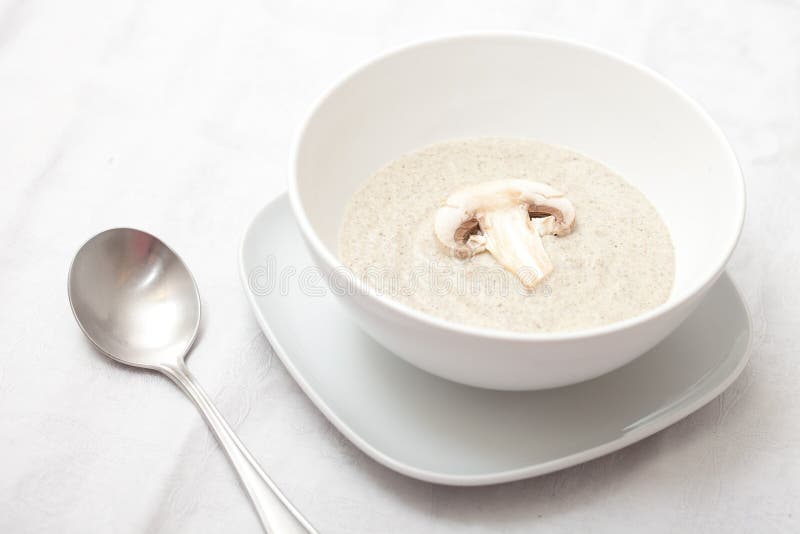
x,y
134,298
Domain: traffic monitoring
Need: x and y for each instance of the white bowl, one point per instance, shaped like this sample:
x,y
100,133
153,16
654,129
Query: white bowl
x,y
520,85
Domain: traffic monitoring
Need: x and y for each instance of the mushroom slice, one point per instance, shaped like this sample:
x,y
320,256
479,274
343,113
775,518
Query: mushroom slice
x,y
506,217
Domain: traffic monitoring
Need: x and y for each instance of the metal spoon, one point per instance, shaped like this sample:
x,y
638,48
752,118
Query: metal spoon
x,y
137,302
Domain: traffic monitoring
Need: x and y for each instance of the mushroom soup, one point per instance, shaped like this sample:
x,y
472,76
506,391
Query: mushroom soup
x,y
511,234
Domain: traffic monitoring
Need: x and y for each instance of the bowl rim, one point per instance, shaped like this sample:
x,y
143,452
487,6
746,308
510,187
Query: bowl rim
x,y
362,288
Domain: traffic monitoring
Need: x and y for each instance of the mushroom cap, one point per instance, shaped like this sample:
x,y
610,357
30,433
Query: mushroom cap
x,y
462,209
448,222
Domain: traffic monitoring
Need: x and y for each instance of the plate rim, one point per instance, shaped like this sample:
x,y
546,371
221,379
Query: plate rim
x,y
670,415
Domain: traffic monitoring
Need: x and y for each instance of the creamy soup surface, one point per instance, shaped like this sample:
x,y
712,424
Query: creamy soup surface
x,y
616,263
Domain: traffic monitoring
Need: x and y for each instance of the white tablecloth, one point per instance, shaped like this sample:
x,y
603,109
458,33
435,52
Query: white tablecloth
x,y
176,116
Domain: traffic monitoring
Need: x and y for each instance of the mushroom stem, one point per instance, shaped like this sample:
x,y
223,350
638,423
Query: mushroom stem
x,y
514,242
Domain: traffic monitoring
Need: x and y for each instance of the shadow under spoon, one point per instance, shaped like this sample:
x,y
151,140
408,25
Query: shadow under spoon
x,y
136,300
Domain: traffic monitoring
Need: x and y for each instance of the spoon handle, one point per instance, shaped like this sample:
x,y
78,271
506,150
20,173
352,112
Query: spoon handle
x,y
277,514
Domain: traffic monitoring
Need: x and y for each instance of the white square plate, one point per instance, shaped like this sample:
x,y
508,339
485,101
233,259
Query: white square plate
x,y
439,431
